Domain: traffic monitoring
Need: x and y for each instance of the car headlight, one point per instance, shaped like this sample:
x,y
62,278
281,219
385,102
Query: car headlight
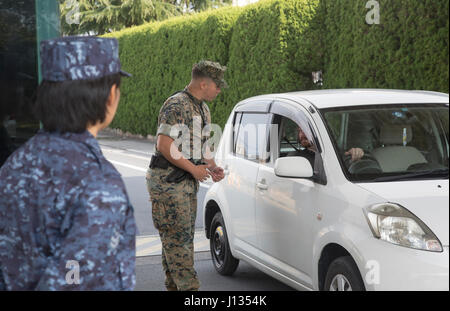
x,y
395,224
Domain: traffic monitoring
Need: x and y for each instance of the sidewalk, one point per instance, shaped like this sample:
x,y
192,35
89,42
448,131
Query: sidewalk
x,y
134,143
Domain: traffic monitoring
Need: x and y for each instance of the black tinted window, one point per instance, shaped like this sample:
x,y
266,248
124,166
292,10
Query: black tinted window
x,y
18,74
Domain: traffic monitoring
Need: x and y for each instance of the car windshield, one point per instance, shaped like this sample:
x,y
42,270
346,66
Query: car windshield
x,y
391,142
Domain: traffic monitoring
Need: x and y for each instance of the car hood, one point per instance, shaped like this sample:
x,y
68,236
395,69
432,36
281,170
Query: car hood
x,y
428,200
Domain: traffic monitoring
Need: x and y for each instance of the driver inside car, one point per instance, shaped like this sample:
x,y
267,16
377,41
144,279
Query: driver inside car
x,y
309,149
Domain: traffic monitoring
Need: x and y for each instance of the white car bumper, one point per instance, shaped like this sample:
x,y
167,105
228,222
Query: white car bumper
x,y
391,267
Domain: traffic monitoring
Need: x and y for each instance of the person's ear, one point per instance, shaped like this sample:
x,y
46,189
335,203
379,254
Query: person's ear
x,y
203,84
112,95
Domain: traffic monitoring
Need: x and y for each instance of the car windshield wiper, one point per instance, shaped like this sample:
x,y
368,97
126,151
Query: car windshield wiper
x,y
432,173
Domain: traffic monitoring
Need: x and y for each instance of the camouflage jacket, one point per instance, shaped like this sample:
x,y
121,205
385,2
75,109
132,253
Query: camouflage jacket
x,y
66,222
182,117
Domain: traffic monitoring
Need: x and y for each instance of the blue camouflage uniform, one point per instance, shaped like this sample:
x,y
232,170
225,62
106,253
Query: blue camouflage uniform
x,y
66,222
62,201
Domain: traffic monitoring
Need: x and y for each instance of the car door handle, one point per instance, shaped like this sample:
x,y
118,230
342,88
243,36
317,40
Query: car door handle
x,y
262,186
226,171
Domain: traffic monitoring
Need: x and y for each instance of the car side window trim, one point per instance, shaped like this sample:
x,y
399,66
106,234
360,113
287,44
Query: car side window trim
x,y
236,123
256,106
298,116
286,110
237,129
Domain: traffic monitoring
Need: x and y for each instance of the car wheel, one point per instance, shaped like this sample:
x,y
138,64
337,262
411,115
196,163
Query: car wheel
x,y
223,260
343,275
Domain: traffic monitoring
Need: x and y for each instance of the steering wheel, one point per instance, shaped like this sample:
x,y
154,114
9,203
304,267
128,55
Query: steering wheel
x,y
366,165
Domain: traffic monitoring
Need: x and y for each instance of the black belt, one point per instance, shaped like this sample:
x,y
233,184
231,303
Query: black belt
x,y
178,174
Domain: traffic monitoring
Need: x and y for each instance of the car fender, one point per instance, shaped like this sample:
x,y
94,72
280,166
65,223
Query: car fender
x,y
346,237
215,194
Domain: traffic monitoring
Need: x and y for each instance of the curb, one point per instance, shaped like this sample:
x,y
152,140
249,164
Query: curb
x,y
118,133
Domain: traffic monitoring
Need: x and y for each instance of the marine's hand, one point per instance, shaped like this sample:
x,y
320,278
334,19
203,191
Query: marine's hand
x,y
217,174
200,172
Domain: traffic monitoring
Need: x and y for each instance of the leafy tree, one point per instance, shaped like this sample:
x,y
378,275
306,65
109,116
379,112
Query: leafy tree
x,y
98,17
200,5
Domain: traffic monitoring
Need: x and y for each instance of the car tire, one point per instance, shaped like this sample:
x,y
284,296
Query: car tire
x,y
343,275
223,260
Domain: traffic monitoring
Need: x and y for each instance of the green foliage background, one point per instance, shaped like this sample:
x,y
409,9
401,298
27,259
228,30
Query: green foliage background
x,y
160,57
266,39
274,45
407,50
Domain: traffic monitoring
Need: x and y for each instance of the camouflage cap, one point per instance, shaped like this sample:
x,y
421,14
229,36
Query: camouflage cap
x,y
79,58
213,70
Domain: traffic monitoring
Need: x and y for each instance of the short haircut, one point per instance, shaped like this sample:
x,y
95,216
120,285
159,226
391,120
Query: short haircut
x,y
197,73
71,106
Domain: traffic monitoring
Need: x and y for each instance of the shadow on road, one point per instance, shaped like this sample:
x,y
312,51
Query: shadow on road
x,y
150,276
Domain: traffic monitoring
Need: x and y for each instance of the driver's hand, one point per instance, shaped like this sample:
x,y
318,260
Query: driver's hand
x,y
356,153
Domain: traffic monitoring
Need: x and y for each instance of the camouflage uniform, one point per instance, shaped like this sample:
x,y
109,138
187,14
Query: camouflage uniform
x,y
62,201
66,222
174,205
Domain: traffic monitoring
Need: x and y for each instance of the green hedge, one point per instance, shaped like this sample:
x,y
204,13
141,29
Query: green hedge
x,y
258,43
160,57
274,45
407,50
271,51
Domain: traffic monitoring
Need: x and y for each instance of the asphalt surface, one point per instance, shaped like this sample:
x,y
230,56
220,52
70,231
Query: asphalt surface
x,y
131,158
150,277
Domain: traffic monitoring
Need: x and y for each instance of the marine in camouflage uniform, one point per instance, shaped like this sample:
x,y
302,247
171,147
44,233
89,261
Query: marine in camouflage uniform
x,y
174,205
66,222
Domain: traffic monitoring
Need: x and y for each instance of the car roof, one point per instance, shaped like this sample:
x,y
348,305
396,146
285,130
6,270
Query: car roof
x,y
357,97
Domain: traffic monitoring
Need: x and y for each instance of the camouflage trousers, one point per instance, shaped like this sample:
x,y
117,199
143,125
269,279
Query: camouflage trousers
x,y
174,217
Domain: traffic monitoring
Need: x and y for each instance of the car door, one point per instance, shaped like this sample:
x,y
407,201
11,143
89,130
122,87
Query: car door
x,y
242,167
285,207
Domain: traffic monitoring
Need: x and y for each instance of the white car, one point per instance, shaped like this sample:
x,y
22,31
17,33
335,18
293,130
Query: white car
x,y
361,203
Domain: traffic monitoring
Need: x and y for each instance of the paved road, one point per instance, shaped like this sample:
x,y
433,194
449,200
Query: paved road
x,y
131,158
150,277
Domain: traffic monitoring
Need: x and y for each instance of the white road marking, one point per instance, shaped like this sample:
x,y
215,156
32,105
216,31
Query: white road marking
x,y
141,240
151,245
140,169
143,152
127,154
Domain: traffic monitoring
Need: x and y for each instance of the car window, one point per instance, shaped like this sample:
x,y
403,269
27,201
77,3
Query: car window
x,y
237,121
404,141
252,136
288,139
335,120
294,140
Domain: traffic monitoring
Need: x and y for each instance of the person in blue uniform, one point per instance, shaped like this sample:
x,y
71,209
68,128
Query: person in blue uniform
x,y
66,222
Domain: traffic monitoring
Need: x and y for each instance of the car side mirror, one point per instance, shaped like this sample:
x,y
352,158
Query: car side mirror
x,y
293,167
